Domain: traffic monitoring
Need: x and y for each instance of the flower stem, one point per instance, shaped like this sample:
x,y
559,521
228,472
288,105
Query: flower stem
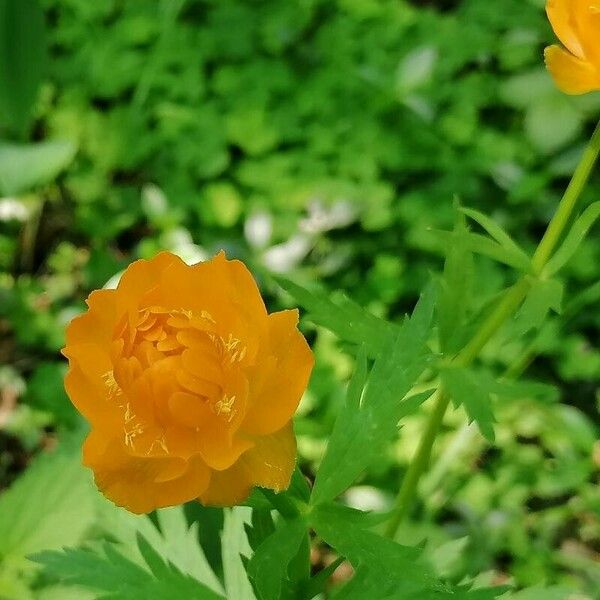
x,y
567,204
504,310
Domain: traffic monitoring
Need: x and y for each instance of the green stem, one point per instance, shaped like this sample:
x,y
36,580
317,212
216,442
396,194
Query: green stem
x,y
567,204
504,310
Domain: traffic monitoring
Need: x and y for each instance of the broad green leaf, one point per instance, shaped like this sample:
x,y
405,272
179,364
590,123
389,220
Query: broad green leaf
x,y
574,238
22,60
25,166
466,387
349,321
50,506
267,569
107,570
369,420
497,233
234,545
545,295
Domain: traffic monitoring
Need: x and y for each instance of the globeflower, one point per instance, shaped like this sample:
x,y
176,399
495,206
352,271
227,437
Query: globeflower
x,y
576,67
188,384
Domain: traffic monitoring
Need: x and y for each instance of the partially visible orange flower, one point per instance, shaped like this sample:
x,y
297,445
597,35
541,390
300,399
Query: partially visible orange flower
x,y
188,383
576,69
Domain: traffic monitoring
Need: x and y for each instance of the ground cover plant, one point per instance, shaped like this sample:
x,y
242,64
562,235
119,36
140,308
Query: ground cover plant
x,y
397,171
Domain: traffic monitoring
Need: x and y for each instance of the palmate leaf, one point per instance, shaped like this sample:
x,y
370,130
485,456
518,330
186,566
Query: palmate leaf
x,y
384,569
349,321
107,570
175,541
476,389
374,404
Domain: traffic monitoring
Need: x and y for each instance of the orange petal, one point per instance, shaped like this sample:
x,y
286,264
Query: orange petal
x,y
143,484
269,464
279,381
189,410
91,398
572,75
587,16
561,14
226,488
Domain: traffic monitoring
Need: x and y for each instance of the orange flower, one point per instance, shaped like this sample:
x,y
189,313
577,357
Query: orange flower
x,y
188,383
576,23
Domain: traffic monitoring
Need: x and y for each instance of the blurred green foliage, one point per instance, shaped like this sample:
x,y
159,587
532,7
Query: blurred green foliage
x,y
327,139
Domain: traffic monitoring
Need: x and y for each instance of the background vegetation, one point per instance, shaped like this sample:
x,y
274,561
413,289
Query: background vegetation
x,y
323,139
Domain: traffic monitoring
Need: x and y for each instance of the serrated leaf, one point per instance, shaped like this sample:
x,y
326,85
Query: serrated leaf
x,y
544,295
374,405
468,388
25,166
384,569
109,571
22,60
349,321
234,545
574,238
267,569
175,541
382,565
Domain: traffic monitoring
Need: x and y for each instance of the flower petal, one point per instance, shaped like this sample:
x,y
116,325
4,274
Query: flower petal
x,y
269,464
142,485
561,14
572,75
279,381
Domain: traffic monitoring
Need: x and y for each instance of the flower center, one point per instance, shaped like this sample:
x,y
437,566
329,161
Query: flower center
x,y
171,366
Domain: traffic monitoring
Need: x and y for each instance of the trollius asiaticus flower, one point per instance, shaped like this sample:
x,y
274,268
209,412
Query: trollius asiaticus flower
x,y
188,384
576,67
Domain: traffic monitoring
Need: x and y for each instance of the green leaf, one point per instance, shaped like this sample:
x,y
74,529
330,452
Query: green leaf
x,y
22,60
175,541
369,420
382,565
267,569
349,321
107,570
574,238
25,166
234,545
384,569
455,288
50,506
545,295
481,244
468,388
498,234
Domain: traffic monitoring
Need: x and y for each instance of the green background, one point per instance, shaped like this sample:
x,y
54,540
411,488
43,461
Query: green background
x,y
326,140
